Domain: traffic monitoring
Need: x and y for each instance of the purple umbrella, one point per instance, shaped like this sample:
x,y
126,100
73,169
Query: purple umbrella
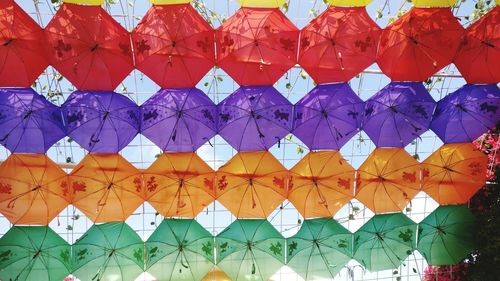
x,y
28,122
101,122
179,120
328,117
466,114
398,114
255,118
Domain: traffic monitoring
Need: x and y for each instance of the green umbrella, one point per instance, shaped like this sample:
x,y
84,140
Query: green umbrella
x,y
34,253
180,249
385,241
320,249
108,252
446,236
250,249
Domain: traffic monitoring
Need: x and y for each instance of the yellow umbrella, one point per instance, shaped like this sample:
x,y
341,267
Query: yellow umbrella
x,y
85,2
169,2
262,3
434,3
349,3
216,275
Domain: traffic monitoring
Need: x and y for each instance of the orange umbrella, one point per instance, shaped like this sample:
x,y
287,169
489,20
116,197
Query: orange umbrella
x,y
179,184
321,183
33,189
454,173
216,275
252,184
106,188
388,180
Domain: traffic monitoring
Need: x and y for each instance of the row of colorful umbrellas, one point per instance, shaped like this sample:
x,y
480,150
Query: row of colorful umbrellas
x,y
176,47
248,249
107,188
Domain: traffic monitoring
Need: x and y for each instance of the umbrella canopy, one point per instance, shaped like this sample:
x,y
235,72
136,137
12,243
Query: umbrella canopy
x,y
108,252
179,250
101,122
385,241
339,44
388,180
28,122
174,45
328,117
34,253
446,236
349,3
320,249
216,275
454,173
252,184
398,114
255,118
179,119
262,3
106,188
88,47
320,184
433,3
33,189
467,113
257,46
478,57
179,184
419,44
22,51
250,250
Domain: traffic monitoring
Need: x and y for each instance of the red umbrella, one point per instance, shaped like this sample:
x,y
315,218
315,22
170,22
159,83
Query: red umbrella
x,y
22,51
478,58
256,46
419,44
89,47
339,44
174,46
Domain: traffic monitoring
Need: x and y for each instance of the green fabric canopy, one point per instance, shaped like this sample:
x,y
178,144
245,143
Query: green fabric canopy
x,y
385,241
250,249
108,252
34,253
320,249
179,249
445,236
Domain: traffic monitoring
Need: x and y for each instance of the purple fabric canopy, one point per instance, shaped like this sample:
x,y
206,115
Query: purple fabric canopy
x,y
179,120
467,113
28,122
398,114
101,122
255,118
328,117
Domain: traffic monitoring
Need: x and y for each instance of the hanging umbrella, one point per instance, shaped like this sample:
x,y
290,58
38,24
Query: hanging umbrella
x,y
388,180
398,114
446,236
255,118
262,3
101,122
454,173
252,184
320,249
88,47
328,117
28,122
216,275
349,3
179,184
250,250
433,3
23,54
33,189
179,249
257,46
467,113
169,2
174,45
34,253
419,44
106,188
339,44
179,119
320,184
385,241
108,252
